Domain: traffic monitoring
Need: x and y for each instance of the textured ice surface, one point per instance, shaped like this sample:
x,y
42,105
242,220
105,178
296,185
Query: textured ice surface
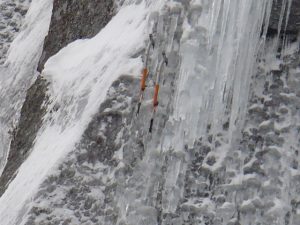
x,y
11,19
224,148
218,54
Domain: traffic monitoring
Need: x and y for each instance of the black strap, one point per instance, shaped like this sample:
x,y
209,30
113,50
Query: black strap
x,y
151,124
138,109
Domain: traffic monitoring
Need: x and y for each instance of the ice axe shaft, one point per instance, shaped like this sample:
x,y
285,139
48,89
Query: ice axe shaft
x,y
145,73
142,88
163,61
144,78
138,109
152,120
155,97
151,124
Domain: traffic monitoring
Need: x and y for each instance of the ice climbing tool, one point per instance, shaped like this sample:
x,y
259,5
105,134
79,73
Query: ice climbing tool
x,y
145,72
163,61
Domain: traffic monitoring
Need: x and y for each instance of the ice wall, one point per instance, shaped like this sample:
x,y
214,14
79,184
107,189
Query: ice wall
x,y
212,47
218,46
218,49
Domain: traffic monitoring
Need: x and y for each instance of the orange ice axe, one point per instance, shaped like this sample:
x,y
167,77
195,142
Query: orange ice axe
x,y
145,73
163,61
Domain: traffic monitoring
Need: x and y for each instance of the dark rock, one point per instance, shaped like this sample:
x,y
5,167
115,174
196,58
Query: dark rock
x,y
37,211
220,199
218,143
234,223
209,138
205,149
97,147
66,173
211,160
283,110
51,188
254,168
274,88
266,126
293,21
295,164
247,159
88,203
226,126
272,103
272,139
67,222
30,122
259,113
287,218
208,128
72,20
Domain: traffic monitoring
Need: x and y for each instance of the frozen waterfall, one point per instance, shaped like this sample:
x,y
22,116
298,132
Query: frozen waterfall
x,y
223,150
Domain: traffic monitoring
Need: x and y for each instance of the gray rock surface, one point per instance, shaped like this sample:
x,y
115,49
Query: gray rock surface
x,y
293,26
72,20
105,171
24,135
83,184
77,20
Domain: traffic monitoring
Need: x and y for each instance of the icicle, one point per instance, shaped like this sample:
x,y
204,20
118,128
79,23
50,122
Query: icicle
x,y
282,12
288,14
214,15
216,77
268,10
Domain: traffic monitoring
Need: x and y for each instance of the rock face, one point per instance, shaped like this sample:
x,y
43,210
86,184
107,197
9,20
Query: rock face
x,y
293,26
72,20
23,136
90,196
103,181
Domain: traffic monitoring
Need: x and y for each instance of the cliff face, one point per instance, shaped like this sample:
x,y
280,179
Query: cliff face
x,y
88,196
241,168
71,20
24,135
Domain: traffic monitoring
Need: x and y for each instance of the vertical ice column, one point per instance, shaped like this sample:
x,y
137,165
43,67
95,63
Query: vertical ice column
x,y
218,51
